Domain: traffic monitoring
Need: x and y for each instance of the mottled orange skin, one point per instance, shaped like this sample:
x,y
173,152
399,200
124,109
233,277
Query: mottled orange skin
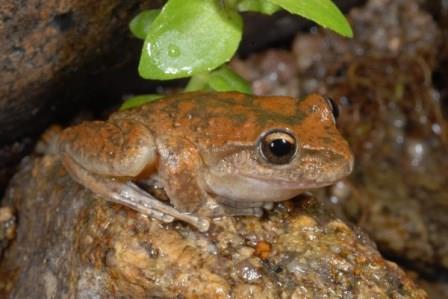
x,y
214,120
202,148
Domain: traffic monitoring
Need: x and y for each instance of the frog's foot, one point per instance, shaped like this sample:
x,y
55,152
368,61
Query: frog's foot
x,y
226,207
268,206
239,204
130,195
231,211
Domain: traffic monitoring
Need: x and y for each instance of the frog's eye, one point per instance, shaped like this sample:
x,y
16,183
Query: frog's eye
x,y
333,106
277,146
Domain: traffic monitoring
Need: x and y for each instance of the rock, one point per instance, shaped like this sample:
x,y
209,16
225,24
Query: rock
x,y
49,49
10,156
273,72
437,289
70,244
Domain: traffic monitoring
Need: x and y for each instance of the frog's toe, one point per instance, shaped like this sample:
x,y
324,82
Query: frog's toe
x,y
159,216
268,206
202,224
258,212
231,211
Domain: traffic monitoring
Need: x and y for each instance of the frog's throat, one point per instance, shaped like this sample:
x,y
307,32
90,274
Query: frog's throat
x,y
252,188
299,184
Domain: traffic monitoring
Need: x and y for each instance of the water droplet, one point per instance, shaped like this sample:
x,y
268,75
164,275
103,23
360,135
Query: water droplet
x,y
173,51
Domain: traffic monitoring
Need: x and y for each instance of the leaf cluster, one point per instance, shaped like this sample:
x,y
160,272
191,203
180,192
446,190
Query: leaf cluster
x,y
195,38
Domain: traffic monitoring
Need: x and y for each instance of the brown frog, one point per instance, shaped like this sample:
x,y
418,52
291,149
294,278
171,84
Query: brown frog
x,y
214,154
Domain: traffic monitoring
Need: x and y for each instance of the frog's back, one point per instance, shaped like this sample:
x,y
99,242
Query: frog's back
x,y
215,116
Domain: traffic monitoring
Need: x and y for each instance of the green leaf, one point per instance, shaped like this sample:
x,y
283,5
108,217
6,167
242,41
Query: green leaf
x,y
189,37
139,100
141,23
323,12
222,79
198,82
261,6
225,79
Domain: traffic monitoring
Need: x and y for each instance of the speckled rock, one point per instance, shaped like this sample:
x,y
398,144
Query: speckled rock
x,y
70,244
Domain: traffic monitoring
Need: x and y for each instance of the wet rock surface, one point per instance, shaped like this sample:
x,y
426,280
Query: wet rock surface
x,y
70,244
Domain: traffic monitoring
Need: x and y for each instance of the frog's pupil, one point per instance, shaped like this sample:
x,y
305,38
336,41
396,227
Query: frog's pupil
x,y
281,147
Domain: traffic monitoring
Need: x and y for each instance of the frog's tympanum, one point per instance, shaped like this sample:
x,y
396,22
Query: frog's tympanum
x,y
214,154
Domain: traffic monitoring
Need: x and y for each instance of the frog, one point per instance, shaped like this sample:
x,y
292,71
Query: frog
x,y
214,154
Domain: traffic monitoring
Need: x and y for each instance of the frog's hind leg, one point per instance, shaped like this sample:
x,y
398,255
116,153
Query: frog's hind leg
x,y
130,195
123,148
105,156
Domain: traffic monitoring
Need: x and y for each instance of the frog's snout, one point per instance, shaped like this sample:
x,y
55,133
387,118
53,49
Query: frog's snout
x,y
340,166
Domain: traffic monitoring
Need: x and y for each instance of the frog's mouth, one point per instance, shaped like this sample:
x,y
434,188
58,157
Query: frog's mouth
x,y
309,177
269,187
302,184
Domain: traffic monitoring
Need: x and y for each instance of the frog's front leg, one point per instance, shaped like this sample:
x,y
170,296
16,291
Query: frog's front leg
x,y
104,157
180,166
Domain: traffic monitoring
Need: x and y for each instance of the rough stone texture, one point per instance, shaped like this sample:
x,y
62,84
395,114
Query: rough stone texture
x,y
71,245
47,47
